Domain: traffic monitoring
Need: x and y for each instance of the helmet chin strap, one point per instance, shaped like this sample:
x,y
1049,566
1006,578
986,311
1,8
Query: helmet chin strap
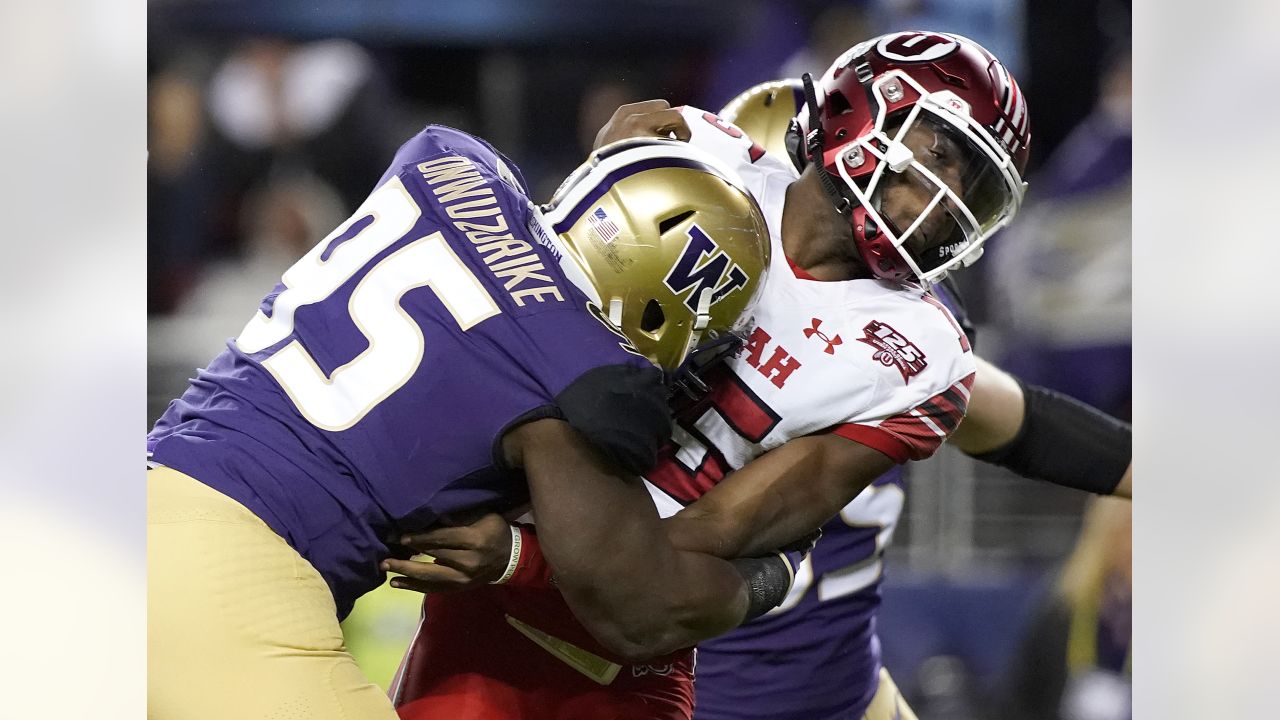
x,y
702,316
814,142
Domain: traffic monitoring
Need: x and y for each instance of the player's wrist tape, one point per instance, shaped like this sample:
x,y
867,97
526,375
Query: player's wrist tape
x,y
1066,442
517,544
768,582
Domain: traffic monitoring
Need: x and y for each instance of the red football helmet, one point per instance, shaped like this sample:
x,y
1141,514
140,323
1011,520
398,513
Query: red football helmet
x,y
961,110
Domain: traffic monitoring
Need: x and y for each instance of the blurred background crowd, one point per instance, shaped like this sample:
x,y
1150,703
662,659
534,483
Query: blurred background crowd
x,y
270,122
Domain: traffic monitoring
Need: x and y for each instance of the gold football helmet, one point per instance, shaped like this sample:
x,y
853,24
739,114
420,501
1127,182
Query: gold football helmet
x,y
763,112
672,245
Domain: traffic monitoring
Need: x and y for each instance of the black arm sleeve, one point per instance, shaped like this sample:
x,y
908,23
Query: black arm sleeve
x,y
621,409
1066,442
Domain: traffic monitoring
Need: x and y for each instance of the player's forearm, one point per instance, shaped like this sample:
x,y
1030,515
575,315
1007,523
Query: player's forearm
x,y
639,615
778,498
620,575
748,528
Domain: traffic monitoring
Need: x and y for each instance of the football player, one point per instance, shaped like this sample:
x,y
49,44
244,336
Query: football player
x,y
765,669
432,354
852,365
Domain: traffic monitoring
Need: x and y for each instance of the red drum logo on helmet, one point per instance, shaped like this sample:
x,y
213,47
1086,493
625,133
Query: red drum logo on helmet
x,y
916,47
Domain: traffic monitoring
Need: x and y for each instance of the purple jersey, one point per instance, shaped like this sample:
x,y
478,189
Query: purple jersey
x,y
817,655
368,394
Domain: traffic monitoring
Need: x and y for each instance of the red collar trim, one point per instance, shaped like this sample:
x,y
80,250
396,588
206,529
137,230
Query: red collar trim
x,y
800,272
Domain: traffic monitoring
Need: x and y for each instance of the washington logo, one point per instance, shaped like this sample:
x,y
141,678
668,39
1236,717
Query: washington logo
x,y
704,266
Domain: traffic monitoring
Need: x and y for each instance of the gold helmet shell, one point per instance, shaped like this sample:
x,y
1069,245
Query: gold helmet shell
x,y
764,111
673,246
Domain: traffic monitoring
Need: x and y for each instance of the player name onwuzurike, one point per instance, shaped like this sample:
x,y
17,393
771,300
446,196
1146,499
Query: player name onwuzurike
x,y
463,193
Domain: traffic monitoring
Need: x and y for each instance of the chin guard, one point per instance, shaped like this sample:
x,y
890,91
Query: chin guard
x,y
687,379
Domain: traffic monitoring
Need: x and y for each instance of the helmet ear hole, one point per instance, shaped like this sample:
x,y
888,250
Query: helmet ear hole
x,y
672,221
653,317
839,103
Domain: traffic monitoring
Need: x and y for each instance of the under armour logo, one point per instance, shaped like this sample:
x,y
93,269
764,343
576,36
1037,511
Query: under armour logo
x,y
831,342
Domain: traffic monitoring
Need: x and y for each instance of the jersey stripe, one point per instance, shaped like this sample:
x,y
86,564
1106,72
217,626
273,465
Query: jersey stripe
x,y
741,408
800,272
876,439
951,318
672,477
917,433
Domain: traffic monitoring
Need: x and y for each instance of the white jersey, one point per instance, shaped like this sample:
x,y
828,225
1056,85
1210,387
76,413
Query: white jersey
x,y
880,363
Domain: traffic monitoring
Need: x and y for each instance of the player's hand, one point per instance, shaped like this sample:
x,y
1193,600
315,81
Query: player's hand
x,y
650,118
460,557
804,545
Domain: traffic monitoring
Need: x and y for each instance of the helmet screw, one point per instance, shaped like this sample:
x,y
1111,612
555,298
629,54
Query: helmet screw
x,y
855,158
841,133
893,91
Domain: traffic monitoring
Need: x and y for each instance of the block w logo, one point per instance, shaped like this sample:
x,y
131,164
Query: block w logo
x,y
703,265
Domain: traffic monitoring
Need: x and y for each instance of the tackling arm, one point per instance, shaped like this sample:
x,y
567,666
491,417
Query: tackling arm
x,y
617,570
779,497
1044,435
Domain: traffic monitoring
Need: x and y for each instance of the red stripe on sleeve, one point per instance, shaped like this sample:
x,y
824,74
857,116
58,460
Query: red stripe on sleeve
x,y
919,432
953,402
876,439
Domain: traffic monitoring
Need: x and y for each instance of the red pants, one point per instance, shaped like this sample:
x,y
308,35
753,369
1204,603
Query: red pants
x,y
470,662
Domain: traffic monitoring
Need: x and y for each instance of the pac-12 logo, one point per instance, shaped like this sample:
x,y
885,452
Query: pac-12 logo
x,y
892,349
916,46
702,266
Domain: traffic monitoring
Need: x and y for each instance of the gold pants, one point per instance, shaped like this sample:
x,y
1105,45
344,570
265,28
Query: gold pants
x,y
239,625
888,703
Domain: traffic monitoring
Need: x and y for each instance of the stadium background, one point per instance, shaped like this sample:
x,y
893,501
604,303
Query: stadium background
x,y
269,122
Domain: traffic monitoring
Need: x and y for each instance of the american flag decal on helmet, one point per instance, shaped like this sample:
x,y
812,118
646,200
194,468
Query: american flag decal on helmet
x,y
606,228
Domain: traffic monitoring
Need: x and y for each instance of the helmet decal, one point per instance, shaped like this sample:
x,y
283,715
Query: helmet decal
x,y
604,226
665,241
704,266
926,135
916,46
604,185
